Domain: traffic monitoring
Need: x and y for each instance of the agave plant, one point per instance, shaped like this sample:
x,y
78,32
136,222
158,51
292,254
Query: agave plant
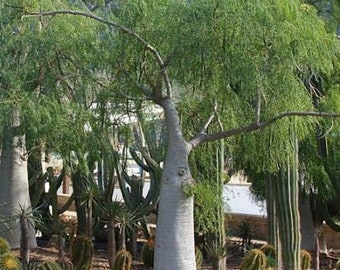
x,y
27,218
216,251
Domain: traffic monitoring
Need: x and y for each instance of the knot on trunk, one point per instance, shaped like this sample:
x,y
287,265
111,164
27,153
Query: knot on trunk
x,y
188,187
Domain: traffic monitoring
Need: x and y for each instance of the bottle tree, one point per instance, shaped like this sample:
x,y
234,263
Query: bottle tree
x,y
249,54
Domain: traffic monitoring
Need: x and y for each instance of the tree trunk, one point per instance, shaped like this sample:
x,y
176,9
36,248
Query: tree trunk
x,y
24,245
79,183
307,224
111,243
175,248
14,191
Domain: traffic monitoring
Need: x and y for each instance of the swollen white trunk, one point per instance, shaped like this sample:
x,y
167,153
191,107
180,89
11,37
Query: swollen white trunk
x,y
13,193
14,190
175,226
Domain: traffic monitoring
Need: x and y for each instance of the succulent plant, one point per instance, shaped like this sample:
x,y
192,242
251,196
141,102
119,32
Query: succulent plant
x,y
123,260
337,265
198,258
4,246
148,252
306,259
46,266
82,253
9,262
255,259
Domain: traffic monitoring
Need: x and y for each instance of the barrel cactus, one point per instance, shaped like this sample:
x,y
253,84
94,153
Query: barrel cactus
x,y
148,252
198,258
123,260
82,252
269,250
9,262
4,246
255,259
306,259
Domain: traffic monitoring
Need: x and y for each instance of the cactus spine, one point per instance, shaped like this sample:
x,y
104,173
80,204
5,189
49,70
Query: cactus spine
x,y
148,252
123,260
306,259
82,253
198,258
9,262
255,259
4,246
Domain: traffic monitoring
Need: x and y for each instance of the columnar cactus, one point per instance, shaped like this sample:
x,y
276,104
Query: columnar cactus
x,y
9,262
255,259
123,260
82,252
4,246
286,195
306,259
148,252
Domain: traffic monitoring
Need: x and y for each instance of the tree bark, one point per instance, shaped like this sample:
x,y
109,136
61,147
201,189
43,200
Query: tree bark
x,y
14,191
175,248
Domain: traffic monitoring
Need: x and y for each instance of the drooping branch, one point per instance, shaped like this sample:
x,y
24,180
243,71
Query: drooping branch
x,y
202,137
161,64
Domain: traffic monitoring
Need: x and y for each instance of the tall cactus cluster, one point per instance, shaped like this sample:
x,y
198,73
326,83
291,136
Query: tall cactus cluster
x,y
82,252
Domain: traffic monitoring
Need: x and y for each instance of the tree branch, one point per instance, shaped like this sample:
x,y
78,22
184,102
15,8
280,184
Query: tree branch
x,y
202,138
162,66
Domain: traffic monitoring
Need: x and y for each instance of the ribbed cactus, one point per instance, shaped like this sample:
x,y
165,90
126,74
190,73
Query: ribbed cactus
x,y
4,246
268,249
82,252
255,259
306,259
9,262
198,258
123,260
286,195
47,266
148,252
